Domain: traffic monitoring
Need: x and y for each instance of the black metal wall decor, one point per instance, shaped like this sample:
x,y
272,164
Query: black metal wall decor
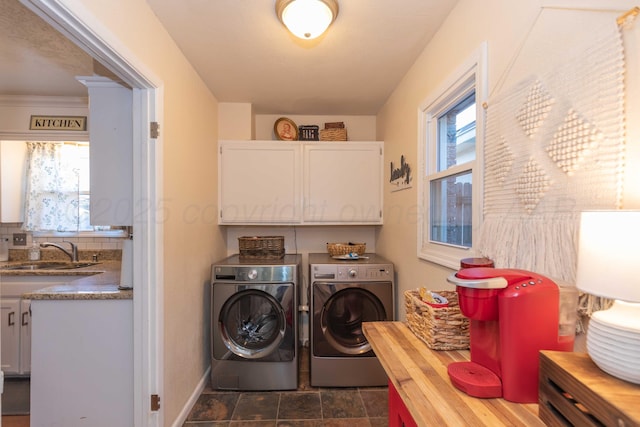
x,y
401,177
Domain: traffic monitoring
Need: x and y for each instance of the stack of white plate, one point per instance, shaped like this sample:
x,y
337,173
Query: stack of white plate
x,y
615,349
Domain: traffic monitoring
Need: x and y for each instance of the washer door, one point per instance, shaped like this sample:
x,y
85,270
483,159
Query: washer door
x,y
252,324
342,316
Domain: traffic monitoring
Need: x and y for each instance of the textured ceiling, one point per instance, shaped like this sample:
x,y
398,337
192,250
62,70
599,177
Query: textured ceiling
x,y
244,54
35,59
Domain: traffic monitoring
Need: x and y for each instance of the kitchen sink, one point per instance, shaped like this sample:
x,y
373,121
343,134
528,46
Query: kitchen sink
x,y
50,266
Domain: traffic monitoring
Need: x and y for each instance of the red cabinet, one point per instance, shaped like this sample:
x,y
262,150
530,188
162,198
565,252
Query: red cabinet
x,y
399,415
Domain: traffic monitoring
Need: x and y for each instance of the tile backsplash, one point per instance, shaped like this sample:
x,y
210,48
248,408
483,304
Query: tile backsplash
x,y
7,230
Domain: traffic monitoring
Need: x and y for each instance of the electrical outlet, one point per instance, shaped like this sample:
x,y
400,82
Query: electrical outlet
x,y
19,239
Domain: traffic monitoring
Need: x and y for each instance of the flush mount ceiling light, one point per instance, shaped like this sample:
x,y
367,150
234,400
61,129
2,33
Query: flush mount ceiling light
x,y
307,19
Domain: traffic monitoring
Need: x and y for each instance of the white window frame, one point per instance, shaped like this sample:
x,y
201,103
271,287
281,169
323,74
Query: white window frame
x,y
472,73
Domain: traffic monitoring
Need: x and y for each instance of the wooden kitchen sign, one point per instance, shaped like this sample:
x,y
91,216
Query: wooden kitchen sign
x,y
66,123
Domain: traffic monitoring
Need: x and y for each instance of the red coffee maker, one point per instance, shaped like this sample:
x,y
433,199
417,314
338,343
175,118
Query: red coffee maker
x,y
513,315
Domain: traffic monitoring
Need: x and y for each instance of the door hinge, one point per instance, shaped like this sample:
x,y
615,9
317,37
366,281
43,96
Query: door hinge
x,y
154,130
155,402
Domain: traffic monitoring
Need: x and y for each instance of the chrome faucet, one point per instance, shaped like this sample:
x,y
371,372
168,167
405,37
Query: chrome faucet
x,y
74,249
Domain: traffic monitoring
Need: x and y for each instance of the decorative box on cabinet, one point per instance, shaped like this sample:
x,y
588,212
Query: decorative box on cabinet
x,y
575,392
296,182
111,151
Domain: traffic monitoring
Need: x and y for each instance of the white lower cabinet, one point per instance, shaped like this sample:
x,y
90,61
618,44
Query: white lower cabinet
x,y
82,363
10,308
300,182
16,336
25,336
15,355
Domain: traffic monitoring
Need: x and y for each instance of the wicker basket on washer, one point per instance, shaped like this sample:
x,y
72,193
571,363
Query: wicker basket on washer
x,y
441,328
338,249
261,247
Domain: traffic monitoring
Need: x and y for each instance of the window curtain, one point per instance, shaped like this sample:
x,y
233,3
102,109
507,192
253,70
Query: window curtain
x,y
52,199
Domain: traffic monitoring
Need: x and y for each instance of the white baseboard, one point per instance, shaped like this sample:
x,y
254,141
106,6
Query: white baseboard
x,y
184,413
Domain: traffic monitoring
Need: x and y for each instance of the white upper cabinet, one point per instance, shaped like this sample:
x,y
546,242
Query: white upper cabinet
x,y
307,183
259,182
13,185
111,151
343,183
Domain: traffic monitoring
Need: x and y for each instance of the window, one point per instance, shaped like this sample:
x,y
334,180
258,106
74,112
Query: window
x,y
58,186
450,167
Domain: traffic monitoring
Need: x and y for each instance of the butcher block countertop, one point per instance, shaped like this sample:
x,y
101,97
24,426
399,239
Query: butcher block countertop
x,y
419,374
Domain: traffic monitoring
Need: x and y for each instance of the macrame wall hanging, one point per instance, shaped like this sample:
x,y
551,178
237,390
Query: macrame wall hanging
x,y
554,146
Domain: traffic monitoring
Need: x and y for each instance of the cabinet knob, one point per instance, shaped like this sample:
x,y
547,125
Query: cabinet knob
x,y
25,318
11,318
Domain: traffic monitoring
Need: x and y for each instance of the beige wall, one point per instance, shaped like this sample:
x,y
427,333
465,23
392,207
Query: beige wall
x,y
192,241
513,32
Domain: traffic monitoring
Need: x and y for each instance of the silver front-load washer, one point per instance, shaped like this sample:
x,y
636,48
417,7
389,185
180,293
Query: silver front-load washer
x,y
254,323
343,294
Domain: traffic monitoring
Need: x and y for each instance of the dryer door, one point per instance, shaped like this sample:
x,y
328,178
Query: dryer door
x,y
252,323
342,315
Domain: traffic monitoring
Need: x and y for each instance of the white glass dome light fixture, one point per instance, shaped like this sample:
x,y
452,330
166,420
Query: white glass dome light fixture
x,y
307,19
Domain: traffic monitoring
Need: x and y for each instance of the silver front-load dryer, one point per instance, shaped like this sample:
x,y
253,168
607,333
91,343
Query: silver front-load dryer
x,y
343,294
254,324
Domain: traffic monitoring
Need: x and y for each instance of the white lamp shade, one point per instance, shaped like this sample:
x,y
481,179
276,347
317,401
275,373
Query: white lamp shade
x,y
609,254
307,19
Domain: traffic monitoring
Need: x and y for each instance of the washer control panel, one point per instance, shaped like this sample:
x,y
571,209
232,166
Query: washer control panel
x,y
279,273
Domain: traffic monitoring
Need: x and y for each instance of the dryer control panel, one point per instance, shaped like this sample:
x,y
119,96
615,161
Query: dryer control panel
x,y
352,272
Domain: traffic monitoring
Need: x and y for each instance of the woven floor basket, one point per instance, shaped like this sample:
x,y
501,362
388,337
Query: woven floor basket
x,y
261,247
443,328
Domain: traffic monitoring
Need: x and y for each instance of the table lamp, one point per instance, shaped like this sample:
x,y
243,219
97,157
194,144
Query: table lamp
x,y
609,266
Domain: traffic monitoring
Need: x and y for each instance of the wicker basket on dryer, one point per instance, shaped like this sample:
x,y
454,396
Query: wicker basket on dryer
x,y
338,249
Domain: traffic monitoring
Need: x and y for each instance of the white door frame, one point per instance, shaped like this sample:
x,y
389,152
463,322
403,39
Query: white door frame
x,y
83,29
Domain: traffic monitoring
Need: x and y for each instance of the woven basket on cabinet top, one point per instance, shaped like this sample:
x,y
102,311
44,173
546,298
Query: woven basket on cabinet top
x,y
334,134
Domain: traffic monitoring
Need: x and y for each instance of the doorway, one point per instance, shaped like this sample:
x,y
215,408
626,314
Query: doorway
x,y
147,101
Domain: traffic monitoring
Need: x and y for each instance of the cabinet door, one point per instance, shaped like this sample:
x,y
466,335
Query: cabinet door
x,y
343,183
111,151
259,182
13,180
10,355
25,336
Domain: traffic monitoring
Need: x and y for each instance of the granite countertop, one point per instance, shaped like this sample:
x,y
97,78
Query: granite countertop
x,y
97,282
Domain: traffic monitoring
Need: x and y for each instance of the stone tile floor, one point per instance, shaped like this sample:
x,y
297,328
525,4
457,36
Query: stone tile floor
x,y
306,407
